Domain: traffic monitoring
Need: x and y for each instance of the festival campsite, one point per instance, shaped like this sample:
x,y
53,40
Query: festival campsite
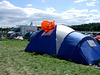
x,y
46,50
66,43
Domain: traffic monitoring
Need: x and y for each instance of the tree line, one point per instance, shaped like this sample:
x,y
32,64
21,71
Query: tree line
x,y
5,29
82,27
87,27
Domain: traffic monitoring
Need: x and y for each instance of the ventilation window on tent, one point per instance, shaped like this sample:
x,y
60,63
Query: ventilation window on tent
x,y
48,33
91,43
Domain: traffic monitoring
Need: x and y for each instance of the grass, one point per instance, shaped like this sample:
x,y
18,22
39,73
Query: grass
x,y
15,61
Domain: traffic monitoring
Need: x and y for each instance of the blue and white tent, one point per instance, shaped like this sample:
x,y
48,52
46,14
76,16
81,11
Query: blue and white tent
x,y
66,43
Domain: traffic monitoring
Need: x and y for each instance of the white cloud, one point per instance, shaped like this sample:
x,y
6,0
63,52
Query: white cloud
x,y
94,10
20,16
76,16
95,0
43,1
50,10
77,11
78,1
90,3
29,5
5,4
93,18
31,11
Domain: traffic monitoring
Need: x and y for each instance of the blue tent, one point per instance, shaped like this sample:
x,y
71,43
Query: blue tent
x,y
66,43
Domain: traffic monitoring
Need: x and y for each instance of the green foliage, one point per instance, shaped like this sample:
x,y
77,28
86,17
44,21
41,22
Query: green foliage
x,y
15,61
5,29
87,27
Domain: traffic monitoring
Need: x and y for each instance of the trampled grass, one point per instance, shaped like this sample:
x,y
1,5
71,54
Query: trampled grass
x,y
15,61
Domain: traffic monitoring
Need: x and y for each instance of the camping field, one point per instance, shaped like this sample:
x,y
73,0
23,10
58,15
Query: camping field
x,y
15,61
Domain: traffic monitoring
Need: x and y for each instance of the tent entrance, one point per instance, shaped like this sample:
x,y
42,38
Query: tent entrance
x,y
90,52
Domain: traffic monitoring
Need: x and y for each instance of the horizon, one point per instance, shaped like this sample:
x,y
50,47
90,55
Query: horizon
x,y
72,12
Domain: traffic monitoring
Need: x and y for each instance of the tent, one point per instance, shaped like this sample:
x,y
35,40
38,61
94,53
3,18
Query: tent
x,y
66,43
27,36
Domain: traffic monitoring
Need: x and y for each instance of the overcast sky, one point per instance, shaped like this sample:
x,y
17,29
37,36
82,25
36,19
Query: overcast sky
x,y
69,12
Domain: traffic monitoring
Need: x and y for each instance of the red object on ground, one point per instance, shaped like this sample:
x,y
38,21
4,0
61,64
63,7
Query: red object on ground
x,y
97,37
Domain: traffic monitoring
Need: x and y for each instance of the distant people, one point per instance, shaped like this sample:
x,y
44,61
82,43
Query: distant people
x,y
0,35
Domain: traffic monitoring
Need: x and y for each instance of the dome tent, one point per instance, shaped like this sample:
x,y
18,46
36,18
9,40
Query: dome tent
x,y
66,43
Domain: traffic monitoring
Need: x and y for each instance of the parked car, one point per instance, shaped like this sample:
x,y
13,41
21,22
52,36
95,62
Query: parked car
x,y
97,39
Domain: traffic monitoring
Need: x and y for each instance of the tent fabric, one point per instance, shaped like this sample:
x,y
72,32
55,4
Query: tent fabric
x,y
68,44
61,32
43,43
79,50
